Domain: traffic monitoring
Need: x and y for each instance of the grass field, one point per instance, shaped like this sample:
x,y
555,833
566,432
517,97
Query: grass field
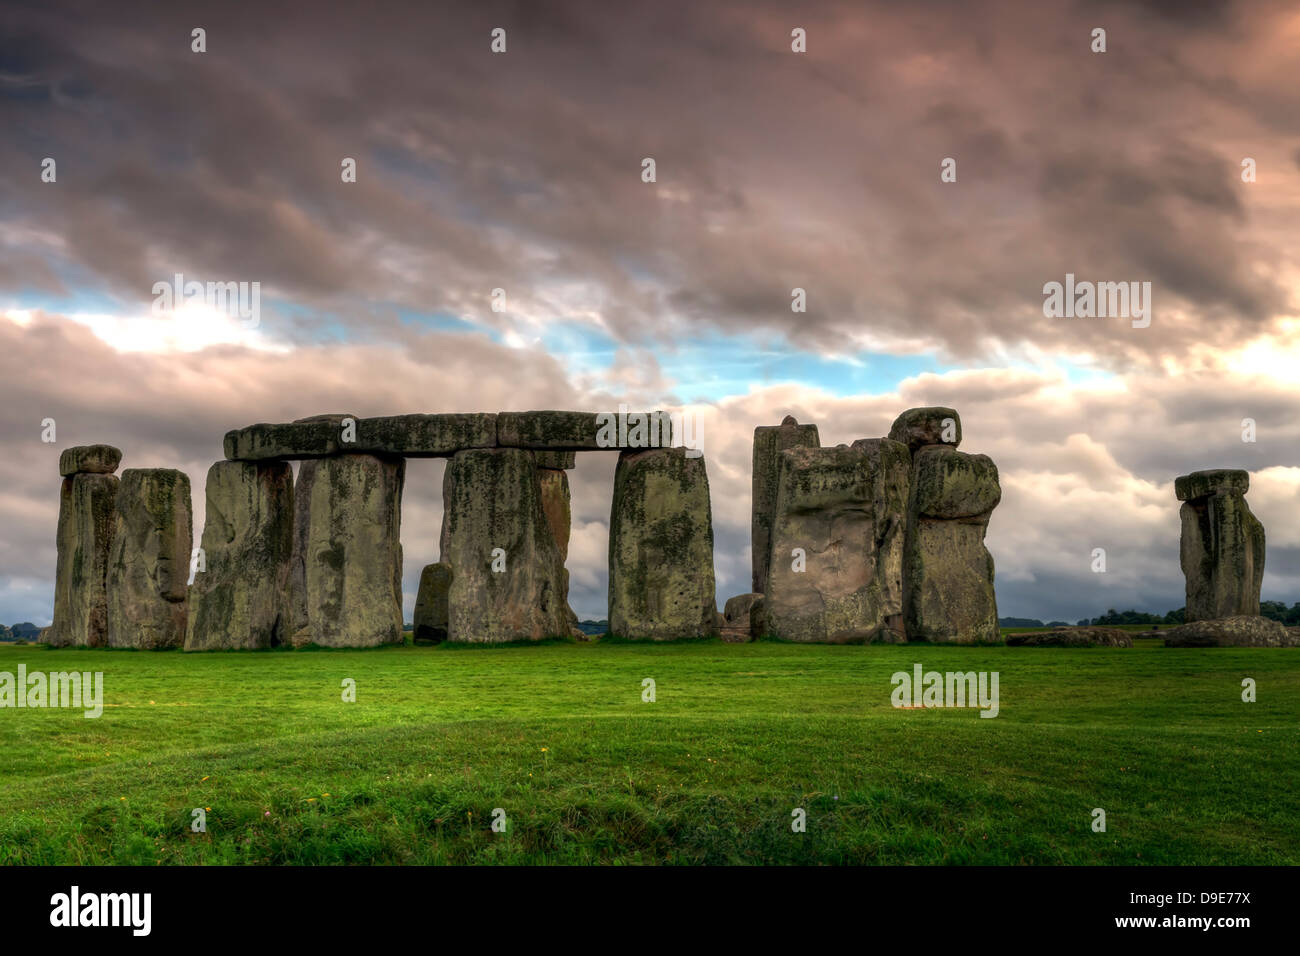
x,y
739,735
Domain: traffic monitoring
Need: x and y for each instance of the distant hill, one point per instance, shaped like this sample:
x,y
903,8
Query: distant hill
x,y
26,631
593,627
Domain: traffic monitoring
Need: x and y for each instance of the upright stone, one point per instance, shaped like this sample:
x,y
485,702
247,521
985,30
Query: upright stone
x,y
556,506
947,571
661,583
837,544
430,624
149,559
769,442
346,571
1222,546
240,598
85,532
507,573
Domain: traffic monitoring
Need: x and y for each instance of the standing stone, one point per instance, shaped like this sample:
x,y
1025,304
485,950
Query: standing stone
x,y
947,571
769,442
149,559
346,572
430,624
1222,546
661,583
85,532
507,573
842,509
737,621
240,598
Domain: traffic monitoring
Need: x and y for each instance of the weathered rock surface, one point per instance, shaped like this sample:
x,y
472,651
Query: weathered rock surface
x,y
769,442
407,436
149,559
89,460
241,598
1217,481
431,608
947,571
1072,637
583,431
737,625
557,460
1222,546
661,584
952,484
927,426
1237,631
87,515
426,436
843,507
346,572
556,506
492,499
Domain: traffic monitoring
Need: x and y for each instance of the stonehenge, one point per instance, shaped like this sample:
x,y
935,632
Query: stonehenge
x,y
881,540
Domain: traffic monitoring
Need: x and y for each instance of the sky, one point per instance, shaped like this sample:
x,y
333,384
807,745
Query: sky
x,y
774,170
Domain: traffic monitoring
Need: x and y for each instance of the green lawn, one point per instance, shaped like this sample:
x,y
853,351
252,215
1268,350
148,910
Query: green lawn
x,y
740,735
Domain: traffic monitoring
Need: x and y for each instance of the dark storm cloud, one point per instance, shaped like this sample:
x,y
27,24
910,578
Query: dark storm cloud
x,y
775,170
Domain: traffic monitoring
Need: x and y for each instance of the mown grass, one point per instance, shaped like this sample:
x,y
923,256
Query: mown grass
x,y
739,735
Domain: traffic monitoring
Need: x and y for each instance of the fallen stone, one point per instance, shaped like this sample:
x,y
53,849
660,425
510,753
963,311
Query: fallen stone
x,y
661,585
89,460
87,516
1072,637
736,626
507,574
241,598
346,572
149,560
842,509
769,442
927,426
1238,631
1220,481
431,608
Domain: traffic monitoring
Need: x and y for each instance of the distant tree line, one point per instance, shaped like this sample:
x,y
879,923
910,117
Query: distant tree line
x,y
1274,610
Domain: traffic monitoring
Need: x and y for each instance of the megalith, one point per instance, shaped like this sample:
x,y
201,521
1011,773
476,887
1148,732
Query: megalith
x,y
346,566
556,506
430,622
661,584
769,442
948,592
149,560
87,503
1222,546
240,598
837,544
506,569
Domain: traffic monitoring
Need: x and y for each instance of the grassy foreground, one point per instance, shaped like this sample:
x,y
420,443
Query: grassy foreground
x,y
559,738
